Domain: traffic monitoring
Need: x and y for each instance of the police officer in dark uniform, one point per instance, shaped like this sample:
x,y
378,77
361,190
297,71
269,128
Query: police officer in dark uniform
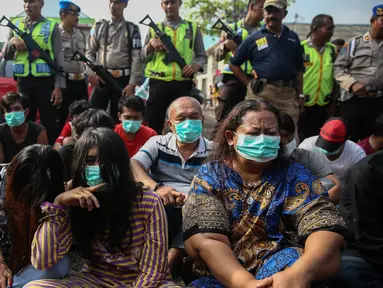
x,y
73,40
37,79
116,45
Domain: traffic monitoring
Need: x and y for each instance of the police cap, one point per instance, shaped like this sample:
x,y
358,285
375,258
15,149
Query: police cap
x,y
377,11
69,6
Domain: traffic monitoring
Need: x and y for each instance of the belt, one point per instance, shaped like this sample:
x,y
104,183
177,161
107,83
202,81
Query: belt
x,y
375,94
281,83
118,73
76,76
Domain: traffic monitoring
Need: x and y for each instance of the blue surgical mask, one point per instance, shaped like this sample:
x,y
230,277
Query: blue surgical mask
x,y
15,119
188,131
93,175
131,126
261,148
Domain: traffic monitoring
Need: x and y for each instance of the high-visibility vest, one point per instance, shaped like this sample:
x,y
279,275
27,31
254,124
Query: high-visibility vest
x,y
42,35
183,40
318,81
239,28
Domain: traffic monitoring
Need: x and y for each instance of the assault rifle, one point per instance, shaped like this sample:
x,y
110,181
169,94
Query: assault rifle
x,y
172,54
100,70
34,50
231,35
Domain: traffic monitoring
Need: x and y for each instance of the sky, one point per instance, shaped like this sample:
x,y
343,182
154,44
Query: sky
x,y
343,11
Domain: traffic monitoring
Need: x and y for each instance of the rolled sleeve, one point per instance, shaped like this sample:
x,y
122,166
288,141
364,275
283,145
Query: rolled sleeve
x,y
148,154
243,52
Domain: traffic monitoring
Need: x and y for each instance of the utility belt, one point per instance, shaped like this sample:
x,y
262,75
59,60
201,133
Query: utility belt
x,y
258,84
76,76
118,73
372,93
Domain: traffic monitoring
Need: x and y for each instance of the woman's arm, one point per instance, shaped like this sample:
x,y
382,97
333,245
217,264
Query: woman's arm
x,y
214,250
53,238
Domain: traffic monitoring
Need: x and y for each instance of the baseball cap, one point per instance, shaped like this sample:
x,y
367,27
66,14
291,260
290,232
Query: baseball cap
x,y
377,11
280,4
332,135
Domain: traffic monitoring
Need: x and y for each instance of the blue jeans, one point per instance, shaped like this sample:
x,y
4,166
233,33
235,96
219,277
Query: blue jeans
x,y
357,273
29,273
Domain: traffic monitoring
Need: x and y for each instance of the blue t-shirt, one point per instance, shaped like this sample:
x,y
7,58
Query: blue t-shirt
x,y
272,57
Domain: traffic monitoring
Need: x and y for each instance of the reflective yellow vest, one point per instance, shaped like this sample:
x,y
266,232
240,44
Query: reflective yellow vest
x,y
318,81
238,28
183,40
42,34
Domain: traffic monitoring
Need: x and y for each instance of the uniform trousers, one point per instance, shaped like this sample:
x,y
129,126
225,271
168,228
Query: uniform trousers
x,y
161,95
39,91
103,95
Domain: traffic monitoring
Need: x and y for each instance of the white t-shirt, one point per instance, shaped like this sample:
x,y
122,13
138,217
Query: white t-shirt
x,y
351,154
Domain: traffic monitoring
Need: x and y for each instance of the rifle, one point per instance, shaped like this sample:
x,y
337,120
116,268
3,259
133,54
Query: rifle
x,y
34,50
219,25
172,54
100,70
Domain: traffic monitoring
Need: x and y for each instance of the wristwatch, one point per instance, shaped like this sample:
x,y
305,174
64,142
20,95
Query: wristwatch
x,y
302,96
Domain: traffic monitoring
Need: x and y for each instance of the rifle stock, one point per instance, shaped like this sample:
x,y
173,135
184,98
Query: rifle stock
x,y
231,35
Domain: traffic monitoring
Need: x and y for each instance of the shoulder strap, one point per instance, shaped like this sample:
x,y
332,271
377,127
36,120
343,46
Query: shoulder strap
x,y
191,45
333,54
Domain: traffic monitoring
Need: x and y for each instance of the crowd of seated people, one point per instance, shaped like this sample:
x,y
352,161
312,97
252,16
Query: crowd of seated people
x,y
253,208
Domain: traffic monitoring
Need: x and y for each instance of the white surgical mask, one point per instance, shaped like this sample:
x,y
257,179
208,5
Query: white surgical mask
x,y
290,147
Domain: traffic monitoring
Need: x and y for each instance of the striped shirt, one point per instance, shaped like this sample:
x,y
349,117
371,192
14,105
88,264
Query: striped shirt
x,y
142,264
160,155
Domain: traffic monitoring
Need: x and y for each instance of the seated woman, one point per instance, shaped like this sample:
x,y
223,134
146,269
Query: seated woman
x,y
34,176
120,228
251,214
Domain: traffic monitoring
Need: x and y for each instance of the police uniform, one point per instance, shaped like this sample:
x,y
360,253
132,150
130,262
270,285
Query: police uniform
x,y
116,46
76,85
36,79
318,86
166,81
233,91
361,60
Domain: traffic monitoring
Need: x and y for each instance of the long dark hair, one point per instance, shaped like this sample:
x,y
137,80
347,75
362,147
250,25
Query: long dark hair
x,y
33,177
111,221
222,150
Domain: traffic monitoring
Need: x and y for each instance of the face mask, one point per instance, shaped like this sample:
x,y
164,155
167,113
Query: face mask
x,y
131,126
290,147
188,131
327,153
93,175
261,148
15,119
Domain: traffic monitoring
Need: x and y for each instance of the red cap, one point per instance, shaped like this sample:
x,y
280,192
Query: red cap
x,y
332,135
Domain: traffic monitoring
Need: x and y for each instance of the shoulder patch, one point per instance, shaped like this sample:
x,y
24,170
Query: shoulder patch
x,y
262,43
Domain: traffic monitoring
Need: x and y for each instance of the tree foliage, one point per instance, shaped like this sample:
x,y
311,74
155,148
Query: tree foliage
x,y
206,12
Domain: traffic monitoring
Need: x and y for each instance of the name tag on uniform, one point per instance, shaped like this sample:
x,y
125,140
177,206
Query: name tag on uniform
x,y
262,43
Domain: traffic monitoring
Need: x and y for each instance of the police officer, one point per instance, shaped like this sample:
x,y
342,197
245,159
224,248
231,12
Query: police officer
x,y
116,45
319,57
233,90
73,40
168,82
276,56
359,72
37,79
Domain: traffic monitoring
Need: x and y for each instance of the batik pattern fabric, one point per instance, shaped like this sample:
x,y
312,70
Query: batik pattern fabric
x,y
143,263
267,221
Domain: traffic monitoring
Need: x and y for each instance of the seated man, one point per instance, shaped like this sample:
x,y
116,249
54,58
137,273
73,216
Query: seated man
x,y
91,118
16,133
131,114
374,143
173,160
361,207
321,169
75,109
333,147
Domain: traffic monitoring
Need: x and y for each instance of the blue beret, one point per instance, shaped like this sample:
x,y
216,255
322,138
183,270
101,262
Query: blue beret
x,y
70,6
377,11
122,1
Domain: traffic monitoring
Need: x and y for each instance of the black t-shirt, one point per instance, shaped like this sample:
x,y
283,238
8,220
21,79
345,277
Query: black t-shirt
x,y
67,154
10,147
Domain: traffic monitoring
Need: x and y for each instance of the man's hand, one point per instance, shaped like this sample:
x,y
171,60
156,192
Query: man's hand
x,y
95,80
5,274
284,279
19,44
129,90
155,44
56,97
230,44
359,89
170,196
190,70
